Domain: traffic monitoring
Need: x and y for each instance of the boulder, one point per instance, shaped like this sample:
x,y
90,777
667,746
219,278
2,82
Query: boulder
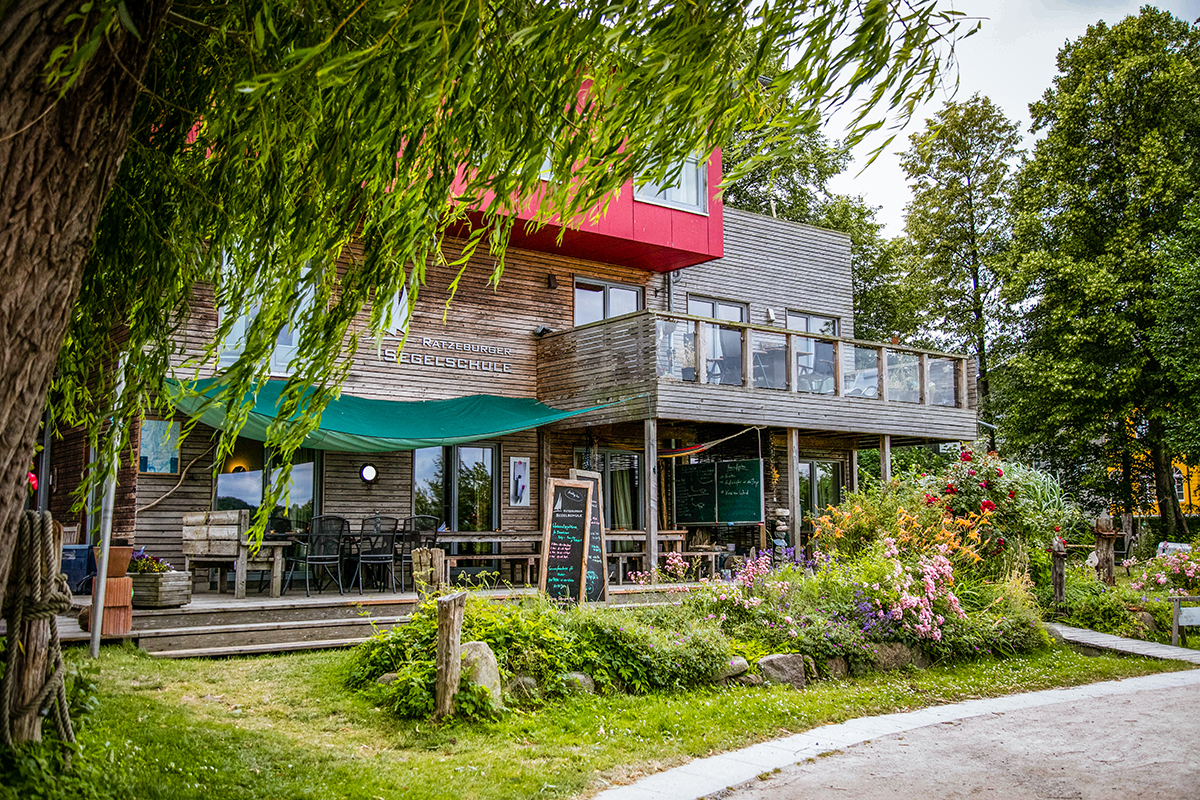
x,y
479,666
736,666
749,679
1146,619
524,687
578,683
387,678
836,668
896,655
783,668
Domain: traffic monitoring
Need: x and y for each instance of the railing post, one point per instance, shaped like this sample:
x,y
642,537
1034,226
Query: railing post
x,y
881,373
960,388
789,355
747,358
839,388
700,337
923,378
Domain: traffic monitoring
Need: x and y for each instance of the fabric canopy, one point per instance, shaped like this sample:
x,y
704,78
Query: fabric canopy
x,y
352,424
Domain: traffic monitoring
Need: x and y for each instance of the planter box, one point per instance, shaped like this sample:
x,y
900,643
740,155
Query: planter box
x,y
161,589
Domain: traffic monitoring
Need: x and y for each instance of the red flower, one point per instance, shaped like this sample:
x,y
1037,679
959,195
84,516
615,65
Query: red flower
x,y
1057,528
930,499
983,484
32,482
987,505
999,472
970,472
965,455
950,489
1012,493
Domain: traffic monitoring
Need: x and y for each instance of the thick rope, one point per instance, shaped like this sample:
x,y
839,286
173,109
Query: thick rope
x,y
37,590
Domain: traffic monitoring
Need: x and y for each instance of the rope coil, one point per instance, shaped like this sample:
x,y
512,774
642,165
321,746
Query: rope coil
x,y
37,590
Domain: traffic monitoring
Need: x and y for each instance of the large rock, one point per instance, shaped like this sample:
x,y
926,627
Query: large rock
x,y
523,687
1147,620
578,683
836,668
736,666
783,668
749,679
480,667
387,678
897,655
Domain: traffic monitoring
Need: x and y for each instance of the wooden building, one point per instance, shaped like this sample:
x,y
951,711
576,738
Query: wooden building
x,y
672,323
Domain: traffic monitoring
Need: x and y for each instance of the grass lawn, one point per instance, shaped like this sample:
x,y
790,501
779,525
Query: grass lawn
x,y
285,727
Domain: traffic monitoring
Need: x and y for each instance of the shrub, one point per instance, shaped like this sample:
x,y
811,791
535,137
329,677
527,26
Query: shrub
x,y
1176,574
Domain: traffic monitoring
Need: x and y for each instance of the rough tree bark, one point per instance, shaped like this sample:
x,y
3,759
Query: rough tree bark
x,y
58,160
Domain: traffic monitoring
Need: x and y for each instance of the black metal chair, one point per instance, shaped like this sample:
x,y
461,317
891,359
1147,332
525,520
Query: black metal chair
x,y
376,548
417,531
322,547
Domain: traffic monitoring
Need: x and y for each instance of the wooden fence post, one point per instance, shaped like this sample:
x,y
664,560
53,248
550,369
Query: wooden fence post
x,y
1058,572
449,650
428,568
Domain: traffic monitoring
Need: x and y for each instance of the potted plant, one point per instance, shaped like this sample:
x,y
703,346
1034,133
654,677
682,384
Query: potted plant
x,y
156,584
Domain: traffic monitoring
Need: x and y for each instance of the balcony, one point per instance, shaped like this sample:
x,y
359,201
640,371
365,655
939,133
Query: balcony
x,y
675,366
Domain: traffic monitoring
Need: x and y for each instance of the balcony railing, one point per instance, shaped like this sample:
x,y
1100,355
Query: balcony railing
x,y
693,349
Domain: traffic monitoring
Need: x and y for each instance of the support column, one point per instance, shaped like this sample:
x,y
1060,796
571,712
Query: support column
x,y
853,477
543,469
885,458
793,477
650,493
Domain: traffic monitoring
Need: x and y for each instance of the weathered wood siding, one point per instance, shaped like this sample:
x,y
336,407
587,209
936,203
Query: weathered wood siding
x,y
159,528
778,265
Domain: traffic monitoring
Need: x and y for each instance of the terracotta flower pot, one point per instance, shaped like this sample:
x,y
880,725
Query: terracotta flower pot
x,y
118,560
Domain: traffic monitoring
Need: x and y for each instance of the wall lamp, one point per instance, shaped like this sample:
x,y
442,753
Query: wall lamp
x,y
542,330
368,473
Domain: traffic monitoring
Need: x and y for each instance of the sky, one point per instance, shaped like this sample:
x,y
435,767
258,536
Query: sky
x,y
1011,60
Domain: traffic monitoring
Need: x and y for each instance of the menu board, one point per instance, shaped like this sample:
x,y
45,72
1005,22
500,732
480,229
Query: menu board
x,y
719,493
596,590
565,539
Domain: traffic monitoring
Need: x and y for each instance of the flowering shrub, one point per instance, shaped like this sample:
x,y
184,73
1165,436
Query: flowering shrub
x,y
1176,574
142,563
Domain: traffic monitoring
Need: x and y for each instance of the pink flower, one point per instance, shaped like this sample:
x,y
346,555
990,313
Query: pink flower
x,y
970,472
930,499
983,484
999,472
32,482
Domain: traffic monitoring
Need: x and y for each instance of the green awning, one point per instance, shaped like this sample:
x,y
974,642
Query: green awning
x,y
352,424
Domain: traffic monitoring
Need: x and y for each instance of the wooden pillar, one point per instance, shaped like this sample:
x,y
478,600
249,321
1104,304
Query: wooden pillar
x,y
793,459
1106,558
449,650
543,470
1058,572
747,359
650,492
924,379
701,354
881,373
885,458
428,570
853,482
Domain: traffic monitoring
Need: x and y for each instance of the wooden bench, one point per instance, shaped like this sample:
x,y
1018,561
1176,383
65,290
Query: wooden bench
x,y
1183,617
217,539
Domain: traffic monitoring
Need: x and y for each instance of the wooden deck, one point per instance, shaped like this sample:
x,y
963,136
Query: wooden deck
x,y
1083,639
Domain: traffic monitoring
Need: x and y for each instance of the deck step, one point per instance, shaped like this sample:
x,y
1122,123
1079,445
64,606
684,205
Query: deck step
x,y
206,637
257,649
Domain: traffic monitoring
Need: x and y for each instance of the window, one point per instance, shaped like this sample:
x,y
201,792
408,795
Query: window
x,y
1180,490
815,370
621,471
597,300
689,192
723,361
463,495
286,345
820,487
249,468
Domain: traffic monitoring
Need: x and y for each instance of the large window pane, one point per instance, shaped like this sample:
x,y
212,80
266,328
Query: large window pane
x,y
429,487
623,301
624,491
240,482
589,303
769,354
689,191
724,362
828,484
862,372
476,473
943,382
676,345
300,492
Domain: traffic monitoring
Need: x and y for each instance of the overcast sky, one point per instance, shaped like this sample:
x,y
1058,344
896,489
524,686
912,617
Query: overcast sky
x,y
1011,60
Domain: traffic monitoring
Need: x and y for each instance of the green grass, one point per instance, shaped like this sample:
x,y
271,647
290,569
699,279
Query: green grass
x,y
284,727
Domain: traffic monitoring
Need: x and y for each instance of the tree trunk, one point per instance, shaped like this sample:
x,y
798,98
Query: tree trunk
x,y
58,160
1174,525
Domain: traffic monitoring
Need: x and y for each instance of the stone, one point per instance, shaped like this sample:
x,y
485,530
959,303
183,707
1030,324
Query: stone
x,y
836,668
1146,620
749,679
736,666
479,666
387,678
578,683
524,687
810,669
897,655
783,668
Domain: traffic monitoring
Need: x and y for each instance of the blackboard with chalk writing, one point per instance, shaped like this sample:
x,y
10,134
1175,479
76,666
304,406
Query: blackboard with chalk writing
x,y
597,565
565,539
719,493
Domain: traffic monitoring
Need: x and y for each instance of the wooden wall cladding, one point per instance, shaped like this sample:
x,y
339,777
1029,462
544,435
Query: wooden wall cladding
x,y
69,457
160,527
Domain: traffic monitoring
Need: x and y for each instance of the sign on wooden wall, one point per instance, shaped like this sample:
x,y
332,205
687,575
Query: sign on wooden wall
x,y
597,564
722,492
565,539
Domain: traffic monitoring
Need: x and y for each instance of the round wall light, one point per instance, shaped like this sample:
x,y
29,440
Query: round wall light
x,y
368,473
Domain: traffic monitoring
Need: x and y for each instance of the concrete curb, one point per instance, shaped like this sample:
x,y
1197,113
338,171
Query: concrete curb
x,y
707,776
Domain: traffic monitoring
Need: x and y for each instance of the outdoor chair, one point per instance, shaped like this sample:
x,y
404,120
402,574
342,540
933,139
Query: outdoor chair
x,y
376,548
322,548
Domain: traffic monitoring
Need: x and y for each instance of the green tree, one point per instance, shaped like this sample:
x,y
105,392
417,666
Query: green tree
x,y
148,148
958,230
1107,187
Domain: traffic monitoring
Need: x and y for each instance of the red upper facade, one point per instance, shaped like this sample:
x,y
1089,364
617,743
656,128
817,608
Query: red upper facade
x,y
638,233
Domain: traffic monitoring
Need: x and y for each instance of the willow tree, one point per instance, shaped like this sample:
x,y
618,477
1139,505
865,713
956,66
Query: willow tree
x,y
149,148
1106,191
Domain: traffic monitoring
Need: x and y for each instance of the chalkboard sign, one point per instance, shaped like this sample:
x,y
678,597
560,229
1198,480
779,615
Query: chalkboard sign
x,y
719,493
565,539
597,564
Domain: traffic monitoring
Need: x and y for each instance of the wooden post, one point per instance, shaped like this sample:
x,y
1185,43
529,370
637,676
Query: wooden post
x,y
539,480
650,492
881,373
794,505
747,359
449,650
428,570
924,378
1106,557
789,356
701,354
853,471
885,458
1058,572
